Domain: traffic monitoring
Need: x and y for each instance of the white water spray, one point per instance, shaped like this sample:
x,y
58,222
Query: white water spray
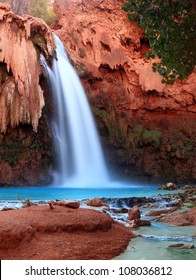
x,y
78,150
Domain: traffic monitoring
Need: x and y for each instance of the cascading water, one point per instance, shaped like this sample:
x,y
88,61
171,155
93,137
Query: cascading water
x,y
78,150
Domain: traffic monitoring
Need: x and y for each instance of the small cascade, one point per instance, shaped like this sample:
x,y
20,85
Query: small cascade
x,y
80,161
185,238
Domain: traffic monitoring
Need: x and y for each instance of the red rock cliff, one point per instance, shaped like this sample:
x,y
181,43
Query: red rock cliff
x,y
24,146
148,128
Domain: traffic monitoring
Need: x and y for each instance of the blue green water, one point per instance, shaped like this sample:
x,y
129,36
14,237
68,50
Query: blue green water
x,y
49,193
154,241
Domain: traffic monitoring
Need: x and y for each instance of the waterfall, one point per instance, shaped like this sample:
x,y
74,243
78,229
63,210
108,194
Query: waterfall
x,y
80,161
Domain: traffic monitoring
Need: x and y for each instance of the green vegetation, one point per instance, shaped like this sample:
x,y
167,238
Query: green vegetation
x,y
42,9
82,53
120,134
170,26
51,16
10,153
37,8
12,149
151,136
191,205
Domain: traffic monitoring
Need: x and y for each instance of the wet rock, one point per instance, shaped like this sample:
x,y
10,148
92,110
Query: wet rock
x,y
97,202
182,246
72,204
181,219
164,211
128,201
188,188
143,222
169,186
137,223
158,212
134,213
121,210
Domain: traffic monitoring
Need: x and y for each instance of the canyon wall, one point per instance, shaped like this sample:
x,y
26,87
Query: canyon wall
x,y
148,129
25,144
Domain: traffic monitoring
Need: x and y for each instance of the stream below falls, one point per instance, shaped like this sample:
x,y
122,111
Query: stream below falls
x,y
152,241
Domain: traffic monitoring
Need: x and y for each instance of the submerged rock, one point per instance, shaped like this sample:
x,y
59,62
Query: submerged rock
x,y
137,223
127,202
120,210
182,246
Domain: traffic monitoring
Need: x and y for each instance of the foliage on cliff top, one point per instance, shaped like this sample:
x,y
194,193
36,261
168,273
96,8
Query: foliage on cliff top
x,y
170,26
37,8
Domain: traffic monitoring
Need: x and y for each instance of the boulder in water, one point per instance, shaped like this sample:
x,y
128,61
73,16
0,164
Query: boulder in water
x,y
134,213
97,202
137,223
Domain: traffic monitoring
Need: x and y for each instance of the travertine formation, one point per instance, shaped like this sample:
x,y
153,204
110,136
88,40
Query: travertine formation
x,y
25,146
21,98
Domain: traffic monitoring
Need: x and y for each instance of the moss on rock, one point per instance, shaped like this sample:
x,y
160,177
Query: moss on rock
x,y
152,137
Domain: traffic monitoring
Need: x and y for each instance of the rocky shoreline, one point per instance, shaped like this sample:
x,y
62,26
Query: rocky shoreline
x,y
61,233
88,228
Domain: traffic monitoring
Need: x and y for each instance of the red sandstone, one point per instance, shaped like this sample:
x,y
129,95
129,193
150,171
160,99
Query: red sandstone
x,y
38,232
185,219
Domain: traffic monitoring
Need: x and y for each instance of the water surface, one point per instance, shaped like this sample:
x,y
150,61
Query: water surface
x,y
50,193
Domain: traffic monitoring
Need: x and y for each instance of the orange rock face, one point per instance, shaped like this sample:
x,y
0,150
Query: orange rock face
x,y
148,128
21,98
25,153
